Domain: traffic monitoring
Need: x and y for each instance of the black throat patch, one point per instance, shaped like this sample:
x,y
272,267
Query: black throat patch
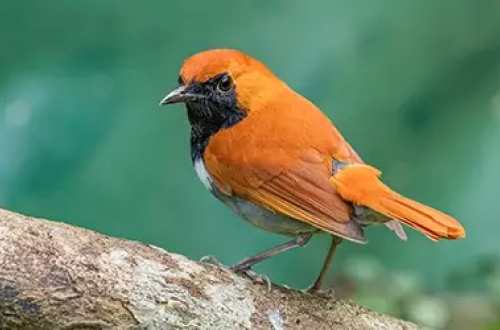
x,y
215,111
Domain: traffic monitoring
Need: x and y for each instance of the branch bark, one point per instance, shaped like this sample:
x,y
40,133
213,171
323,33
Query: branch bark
x,y
56,276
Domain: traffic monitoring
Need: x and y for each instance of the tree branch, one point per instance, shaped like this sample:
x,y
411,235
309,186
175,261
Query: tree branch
x,y
56,276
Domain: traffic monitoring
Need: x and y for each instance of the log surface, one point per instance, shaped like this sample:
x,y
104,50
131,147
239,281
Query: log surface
x,y
57,276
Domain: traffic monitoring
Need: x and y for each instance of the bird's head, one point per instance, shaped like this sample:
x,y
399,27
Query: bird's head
x,y
222,86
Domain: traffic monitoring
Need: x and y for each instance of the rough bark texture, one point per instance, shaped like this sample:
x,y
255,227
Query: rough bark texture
x,y
55,276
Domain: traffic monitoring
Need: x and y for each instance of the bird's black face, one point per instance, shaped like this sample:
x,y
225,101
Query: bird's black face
x,y
211,106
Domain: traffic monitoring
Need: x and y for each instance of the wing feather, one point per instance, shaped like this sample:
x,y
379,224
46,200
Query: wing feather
x,y
300,190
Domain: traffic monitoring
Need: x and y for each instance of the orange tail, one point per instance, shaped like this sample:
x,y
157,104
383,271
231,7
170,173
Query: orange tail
x,y
360,184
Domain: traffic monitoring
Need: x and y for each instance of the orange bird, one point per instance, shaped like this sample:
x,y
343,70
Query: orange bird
x,y
275,159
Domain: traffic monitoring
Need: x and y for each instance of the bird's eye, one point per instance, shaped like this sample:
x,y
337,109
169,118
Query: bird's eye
x,y
225,83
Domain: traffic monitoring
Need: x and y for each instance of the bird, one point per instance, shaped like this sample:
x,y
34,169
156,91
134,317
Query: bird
x,y
278,162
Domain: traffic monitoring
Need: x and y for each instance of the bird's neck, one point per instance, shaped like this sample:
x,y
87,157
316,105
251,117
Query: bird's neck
x,y
199,141
206,122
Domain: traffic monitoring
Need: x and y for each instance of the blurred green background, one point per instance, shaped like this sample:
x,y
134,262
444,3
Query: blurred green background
x,y
414,86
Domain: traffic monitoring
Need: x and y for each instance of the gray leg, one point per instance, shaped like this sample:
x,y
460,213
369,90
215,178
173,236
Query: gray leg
x,y
326,264
247,263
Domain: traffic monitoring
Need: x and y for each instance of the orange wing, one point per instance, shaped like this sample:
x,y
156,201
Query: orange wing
x,y
282,160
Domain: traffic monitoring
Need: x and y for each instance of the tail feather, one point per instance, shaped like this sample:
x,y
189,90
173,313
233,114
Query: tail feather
x,y
360,184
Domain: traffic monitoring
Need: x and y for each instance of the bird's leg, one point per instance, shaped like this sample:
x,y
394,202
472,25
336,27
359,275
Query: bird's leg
x,y
247,263
326,264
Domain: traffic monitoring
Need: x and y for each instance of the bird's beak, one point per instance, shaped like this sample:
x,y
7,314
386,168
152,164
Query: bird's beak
x,y
180,94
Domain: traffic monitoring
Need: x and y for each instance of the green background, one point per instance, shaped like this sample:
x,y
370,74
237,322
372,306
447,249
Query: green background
x,y
413,85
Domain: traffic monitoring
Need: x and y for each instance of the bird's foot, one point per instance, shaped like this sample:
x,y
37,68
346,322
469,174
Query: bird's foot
x,y
313,290
255,277
211,260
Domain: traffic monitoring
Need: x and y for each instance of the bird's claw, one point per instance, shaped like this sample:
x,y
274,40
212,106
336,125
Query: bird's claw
x,y
255,277
318,291
309,290
211,260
